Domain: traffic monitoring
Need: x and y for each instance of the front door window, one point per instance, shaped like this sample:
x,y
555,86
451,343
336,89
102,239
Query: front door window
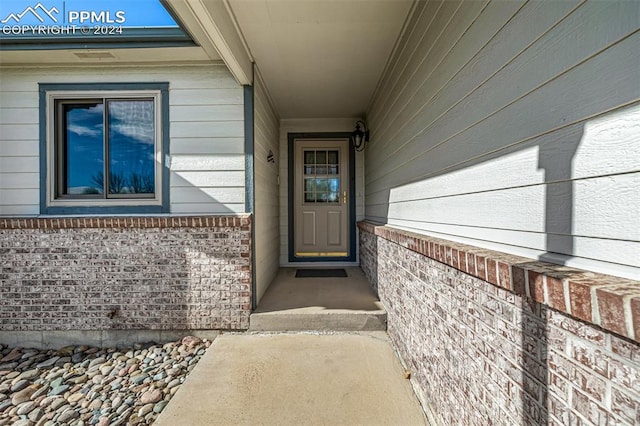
x,y
321,176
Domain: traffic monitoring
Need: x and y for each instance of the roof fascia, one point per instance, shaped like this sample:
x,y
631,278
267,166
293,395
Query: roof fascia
x,y
214,29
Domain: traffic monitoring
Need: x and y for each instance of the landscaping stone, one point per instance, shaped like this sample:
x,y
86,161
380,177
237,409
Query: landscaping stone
x,y
68,415
59,390
82,385
48,363
19,385
31,374
26,408
151,396
11,356
22,395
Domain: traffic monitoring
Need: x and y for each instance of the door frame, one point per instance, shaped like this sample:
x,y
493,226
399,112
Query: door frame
x,y
292,137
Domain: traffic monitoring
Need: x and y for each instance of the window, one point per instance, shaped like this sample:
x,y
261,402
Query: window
x,y
105,149
95,138
321,176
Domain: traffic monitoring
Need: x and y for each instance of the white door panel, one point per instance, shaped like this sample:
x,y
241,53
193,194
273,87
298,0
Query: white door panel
x,y
309,228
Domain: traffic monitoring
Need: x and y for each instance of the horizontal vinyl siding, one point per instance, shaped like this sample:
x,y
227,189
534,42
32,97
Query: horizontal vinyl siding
x,y
514,126
19,144
207,143
206,133
267,213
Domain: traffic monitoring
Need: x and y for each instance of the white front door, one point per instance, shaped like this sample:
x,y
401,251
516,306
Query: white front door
x,y
321,198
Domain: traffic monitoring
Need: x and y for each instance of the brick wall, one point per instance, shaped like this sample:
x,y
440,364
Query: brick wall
x,y
125,273
490,340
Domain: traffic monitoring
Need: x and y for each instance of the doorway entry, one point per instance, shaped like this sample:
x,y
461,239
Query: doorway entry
x,y
321,198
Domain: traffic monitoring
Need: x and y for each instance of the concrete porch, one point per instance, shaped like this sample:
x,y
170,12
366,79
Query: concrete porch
x,y
319,304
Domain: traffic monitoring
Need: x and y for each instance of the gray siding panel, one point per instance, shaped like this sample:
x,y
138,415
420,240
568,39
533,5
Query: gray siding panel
x,y
517,134
206,129
267,206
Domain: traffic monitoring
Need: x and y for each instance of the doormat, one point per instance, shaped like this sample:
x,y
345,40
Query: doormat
x,y
321,273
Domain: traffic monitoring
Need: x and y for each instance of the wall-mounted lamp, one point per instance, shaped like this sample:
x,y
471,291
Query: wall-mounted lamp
x,y
358,137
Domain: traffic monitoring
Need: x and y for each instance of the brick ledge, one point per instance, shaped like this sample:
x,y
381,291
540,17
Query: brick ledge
x,y
609,302
204,221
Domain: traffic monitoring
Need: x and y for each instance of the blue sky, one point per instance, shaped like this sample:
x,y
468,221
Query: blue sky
x,y
134,13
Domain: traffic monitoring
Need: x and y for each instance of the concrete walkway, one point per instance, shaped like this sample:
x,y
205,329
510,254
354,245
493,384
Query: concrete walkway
x,y
296,379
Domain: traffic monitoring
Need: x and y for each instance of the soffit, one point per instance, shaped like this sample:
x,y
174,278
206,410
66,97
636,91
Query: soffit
x,y
320,58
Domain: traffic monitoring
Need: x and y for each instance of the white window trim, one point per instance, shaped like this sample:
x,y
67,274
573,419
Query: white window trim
x,y
52,96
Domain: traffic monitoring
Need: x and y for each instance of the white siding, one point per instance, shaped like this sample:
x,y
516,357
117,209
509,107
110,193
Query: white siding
x,y
514,126
313,126
206,133
266,208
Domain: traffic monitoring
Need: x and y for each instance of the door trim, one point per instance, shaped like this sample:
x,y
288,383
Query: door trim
x,y
352,198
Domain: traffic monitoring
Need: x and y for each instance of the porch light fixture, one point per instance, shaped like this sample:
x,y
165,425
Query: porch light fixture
x,y
358,137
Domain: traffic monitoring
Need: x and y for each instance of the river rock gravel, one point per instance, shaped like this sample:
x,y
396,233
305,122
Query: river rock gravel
x,y
82,385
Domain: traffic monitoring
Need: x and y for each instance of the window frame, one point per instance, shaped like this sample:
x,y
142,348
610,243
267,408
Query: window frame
x,y
50,94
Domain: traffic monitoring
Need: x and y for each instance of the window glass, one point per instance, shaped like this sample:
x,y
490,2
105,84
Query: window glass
x,y
320,182
112,137
83,150
309,185
131,147
309,157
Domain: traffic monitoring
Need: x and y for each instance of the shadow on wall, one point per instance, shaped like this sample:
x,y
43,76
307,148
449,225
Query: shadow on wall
x,y
529,187
167,278
177,277
532,199
555,158
549,197
557,162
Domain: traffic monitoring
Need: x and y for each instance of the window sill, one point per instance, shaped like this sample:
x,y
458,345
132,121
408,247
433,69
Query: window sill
x,y
88,210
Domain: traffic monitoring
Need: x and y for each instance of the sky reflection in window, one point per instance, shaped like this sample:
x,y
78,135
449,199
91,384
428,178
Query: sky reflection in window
x,y
131,147
84,147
